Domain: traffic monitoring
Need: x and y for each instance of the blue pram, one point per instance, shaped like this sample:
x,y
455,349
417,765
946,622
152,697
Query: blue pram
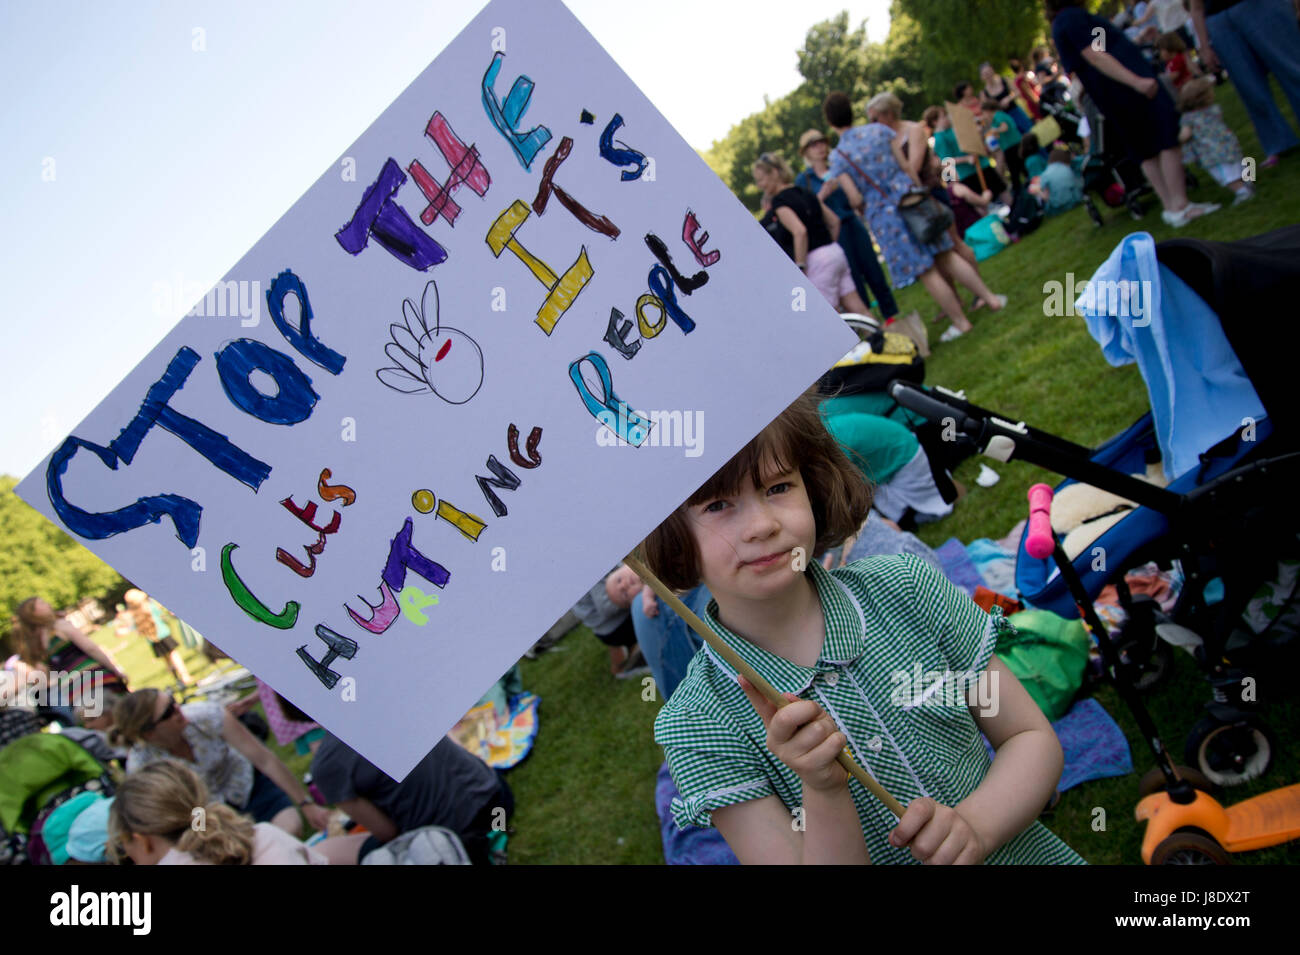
x,y
1230,513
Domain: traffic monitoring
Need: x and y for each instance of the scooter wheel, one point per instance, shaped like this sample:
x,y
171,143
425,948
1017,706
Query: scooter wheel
x,y
1230,754
1154,781
1190,847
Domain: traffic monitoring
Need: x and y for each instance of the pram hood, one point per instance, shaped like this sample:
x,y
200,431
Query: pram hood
x,y
1139,310
1251,285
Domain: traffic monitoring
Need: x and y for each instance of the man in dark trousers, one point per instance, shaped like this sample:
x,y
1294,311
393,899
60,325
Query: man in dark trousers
x,y
450,787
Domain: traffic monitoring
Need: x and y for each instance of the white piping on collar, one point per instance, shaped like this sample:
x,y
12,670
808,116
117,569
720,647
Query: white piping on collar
x,y
727,669
862,617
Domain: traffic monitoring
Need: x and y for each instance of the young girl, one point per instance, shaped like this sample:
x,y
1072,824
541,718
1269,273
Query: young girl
x,y
1207,140
142,614
880,655
163,815
1173,54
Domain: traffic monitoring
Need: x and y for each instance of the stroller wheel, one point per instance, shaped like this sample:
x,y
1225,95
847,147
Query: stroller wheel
x,y
1150,666
1230,754
1154,781
1190,847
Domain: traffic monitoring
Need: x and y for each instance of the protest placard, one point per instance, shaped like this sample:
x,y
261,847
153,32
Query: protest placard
x,y
493,345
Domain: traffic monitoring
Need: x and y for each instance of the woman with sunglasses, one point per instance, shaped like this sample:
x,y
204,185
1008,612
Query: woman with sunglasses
x,y
235,765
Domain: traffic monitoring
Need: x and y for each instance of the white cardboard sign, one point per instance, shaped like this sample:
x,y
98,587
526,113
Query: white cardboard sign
x,y
496,342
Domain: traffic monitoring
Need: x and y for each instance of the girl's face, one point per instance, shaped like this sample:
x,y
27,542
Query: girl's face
x,y
747,541
765,179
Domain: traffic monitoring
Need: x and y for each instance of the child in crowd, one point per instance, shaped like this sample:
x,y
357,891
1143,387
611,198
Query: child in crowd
x,y
1003,127
1173,54
143,614
1031,156
829,641
163,815
1060,187
1207,140
604,609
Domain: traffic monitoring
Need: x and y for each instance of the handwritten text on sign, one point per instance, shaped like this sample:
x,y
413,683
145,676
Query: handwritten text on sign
x,y
533,179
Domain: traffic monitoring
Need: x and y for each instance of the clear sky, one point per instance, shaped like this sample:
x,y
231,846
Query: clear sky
x,y
149,143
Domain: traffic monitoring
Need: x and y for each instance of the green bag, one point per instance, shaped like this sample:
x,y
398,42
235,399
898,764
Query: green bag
x,y
1048,654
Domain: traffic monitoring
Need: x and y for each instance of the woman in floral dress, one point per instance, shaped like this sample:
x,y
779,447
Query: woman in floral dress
x,y
867,164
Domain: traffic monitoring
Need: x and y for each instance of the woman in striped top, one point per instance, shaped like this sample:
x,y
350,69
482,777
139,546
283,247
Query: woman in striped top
x,y
883,655
45,642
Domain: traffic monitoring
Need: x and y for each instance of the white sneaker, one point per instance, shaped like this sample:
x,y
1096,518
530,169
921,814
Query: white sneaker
x,y
952,332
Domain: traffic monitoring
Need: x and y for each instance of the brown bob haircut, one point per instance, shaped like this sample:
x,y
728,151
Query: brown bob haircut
x,y
838,492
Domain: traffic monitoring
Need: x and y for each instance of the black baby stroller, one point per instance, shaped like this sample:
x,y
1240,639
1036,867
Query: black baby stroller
x,y
1231,521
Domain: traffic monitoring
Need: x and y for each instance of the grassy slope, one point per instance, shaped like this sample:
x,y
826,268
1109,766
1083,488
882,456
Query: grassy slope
x,y
586,793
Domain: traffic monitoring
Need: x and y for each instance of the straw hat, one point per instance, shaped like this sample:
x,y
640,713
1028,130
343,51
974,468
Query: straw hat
x,y
810,137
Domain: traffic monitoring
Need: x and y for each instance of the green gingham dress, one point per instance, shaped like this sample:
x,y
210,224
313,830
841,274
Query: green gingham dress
x,y
889,620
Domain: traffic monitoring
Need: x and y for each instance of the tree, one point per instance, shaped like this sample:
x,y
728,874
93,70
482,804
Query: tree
x,y
960,36
833,57
38,559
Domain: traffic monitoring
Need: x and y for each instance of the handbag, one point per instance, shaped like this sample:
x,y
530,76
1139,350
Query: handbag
x,y
925,216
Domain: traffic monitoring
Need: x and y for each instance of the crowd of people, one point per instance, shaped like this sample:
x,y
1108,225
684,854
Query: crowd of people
x,y
832,480
1138,87
198,783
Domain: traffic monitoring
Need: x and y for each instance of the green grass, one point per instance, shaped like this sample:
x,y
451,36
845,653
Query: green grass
x,y
586,793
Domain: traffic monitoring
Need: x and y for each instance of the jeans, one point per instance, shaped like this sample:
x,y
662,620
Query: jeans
x,y
1253,39
667,641
864,265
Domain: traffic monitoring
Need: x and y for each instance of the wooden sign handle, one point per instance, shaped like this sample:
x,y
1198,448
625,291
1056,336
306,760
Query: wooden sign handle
x,y
719,646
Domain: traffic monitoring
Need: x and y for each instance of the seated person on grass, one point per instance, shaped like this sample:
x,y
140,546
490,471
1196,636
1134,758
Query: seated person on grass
x,y
605,610
450,787
1060,187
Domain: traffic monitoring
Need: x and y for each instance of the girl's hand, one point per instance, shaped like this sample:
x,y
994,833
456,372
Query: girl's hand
x,y
803,737
937,834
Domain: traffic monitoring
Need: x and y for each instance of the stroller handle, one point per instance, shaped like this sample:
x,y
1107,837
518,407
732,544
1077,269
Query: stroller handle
x,y
1040,542
918,400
